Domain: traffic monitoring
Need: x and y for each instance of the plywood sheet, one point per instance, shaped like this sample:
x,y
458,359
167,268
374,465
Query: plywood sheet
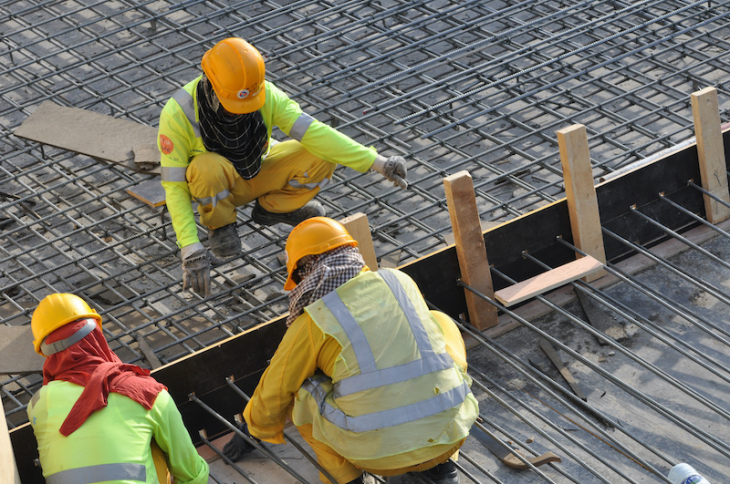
x,y
16,351
150,192
88,133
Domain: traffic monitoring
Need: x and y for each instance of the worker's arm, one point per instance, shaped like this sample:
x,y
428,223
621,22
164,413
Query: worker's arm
x,y
298,356
184,462
318,138
173,141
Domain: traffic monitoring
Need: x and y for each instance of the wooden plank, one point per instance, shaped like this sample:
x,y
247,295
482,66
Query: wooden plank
x,y
150,192
555,358
470,248
711,153
359,228
548,280
585,221
88,133
16,354
8,468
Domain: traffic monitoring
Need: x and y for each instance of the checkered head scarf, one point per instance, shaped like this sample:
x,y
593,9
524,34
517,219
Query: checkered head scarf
x,y
241,139
322,274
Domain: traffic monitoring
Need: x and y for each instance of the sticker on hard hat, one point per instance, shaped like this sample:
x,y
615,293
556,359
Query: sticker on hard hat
x,y
166,145
242,94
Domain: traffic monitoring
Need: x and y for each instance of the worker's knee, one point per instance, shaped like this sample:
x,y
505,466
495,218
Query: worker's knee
x,y
210,173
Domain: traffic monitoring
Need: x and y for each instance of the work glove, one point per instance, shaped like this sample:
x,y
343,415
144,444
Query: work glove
x,y
393,168
237,447
196,271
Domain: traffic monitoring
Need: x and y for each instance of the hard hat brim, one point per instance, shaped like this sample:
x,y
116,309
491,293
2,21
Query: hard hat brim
x,y
244,106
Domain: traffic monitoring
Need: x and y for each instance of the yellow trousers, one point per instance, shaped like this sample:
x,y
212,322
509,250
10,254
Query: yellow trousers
x,y
345,471
290,177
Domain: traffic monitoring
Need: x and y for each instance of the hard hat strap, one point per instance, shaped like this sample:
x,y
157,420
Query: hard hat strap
x,y
49,349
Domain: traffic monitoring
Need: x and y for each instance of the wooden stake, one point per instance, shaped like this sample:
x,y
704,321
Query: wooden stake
x,y
7,456
359,228
585,221
470,248
711,153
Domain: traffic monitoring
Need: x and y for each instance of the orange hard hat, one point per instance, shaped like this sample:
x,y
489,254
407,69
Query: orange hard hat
x,y
56,310
236,70
315,235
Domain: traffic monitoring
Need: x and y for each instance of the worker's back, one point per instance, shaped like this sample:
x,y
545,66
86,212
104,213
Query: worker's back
x,y
117,437
394,388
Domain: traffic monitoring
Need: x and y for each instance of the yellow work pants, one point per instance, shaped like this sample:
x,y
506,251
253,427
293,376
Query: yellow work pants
x,y
345,471
290,177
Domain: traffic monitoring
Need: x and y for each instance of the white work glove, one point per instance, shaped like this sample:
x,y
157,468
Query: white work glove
x,y
393,168
196,270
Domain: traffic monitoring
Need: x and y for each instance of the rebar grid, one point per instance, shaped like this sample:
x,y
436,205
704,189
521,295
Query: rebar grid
x,y
386,73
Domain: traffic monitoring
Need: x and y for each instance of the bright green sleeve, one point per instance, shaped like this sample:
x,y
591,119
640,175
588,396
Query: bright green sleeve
x,y
173,141
184,462
320,139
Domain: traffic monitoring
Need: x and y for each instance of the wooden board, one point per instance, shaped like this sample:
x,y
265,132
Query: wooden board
x,y
706,113
548,280
585,221
8,469
359,228
470,248
16,351
88,133
150,192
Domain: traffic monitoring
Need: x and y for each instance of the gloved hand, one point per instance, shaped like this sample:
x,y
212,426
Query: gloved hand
x,y
393,168
196,271
237,447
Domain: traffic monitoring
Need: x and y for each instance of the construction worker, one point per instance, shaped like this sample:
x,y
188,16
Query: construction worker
x,y
373,380
97,419
216,146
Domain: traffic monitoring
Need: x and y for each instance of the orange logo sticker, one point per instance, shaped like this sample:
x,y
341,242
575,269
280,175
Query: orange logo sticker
x,y
166,145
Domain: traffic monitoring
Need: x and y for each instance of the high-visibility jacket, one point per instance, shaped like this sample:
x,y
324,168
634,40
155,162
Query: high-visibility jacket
x,y
393,387
113,445
179,141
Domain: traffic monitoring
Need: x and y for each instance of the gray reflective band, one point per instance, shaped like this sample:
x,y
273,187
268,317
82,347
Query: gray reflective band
x,y
51,348
419,332
394,374
359,343
100,473
185,100
300,127
214,199
34,400
173,173
310,186
386,418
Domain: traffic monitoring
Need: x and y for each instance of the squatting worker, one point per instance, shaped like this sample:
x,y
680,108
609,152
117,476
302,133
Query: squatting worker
x,y
215,140
372,379
97,419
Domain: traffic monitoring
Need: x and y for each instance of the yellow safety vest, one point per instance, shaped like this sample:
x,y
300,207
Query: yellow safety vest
x,y
394,388
113,445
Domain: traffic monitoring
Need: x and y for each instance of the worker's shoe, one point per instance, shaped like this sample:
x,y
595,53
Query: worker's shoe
x,y
225,242
263,217
442,474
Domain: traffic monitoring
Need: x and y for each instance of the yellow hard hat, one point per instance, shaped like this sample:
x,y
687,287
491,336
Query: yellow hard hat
x,y
56,310
236,71
314,236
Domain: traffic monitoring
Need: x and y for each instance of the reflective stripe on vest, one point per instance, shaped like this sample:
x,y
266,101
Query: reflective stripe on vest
x,y
100,473
385,418
214,199
300,126
370,377
49,349
173,173
185,100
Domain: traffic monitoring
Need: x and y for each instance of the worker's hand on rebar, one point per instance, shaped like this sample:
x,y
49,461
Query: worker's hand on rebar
x,y
393,168
196,272
237,447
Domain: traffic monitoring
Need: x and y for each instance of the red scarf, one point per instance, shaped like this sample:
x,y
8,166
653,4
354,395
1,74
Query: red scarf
x,y
93,365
